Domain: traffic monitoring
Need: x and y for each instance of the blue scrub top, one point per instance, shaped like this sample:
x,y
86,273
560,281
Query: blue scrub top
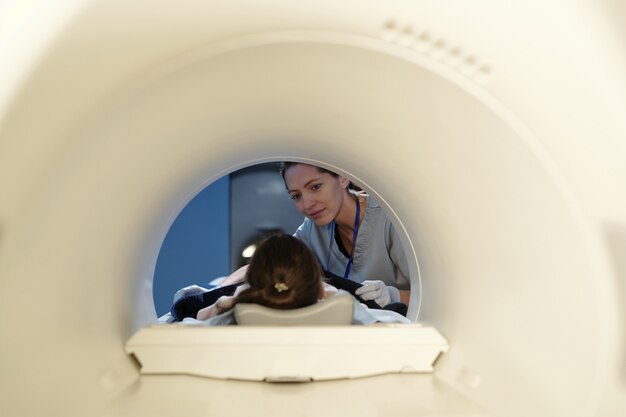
x,y
378,253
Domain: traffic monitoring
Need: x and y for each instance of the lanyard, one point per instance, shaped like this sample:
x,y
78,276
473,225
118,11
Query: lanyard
x,y
356,231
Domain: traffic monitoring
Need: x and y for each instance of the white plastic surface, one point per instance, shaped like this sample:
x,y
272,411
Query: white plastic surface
x,y
493,131
180,394
280,354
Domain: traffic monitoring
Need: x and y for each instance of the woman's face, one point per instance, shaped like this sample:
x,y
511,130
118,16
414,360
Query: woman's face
x,y
318,195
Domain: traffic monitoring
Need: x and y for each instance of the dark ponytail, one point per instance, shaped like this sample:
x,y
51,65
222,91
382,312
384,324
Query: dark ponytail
x,y
283,273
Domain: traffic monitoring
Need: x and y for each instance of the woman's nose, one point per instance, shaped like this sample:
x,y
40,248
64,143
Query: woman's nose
x,y
308,201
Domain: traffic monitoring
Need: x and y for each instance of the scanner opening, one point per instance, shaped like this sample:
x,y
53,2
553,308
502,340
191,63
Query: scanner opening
x,y
197,245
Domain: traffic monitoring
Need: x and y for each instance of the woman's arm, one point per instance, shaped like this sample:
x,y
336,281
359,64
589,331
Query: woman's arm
x,y
405,296
224,303
236,277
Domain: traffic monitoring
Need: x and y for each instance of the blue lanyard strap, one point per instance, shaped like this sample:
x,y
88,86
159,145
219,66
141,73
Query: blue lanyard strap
x,y
356,231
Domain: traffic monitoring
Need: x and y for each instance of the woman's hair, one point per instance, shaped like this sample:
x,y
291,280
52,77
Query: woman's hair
x,y
283,273
285,165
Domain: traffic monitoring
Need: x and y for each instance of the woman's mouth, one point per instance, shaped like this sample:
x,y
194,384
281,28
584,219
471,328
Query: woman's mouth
x,y
316,214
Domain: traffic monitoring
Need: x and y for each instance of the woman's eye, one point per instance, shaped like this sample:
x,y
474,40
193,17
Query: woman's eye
x,y
295,197
316,187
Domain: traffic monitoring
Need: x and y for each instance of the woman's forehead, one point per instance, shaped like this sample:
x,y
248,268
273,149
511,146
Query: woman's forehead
x,y
299,175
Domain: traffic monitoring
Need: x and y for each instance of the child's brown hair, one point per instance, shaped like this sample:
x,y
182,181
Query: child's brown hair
x,y
283,273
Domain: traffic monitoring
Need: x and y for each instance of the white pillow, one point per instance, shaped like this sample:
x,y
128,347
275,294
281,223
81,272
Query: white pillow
x,y
333,311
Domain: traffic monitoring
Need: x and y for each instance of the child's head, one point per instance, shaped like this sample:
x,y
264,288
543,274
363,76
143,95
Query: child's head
x,y
283,273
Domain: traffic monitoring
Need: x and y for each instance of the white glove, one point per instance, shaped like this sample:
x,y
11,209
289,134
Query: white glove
x,y
379,292
190,290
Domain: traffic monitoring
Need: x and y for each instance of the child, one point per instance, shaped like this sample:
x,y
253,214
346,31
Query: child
x,y
283,274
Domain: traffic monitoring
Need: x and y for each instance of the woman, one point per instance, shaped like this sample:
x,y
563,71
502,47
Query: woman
x,y
349,233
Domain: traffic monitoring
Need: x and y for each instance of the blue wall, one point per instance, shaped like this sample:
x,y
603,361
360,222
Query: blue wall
x,y
196,249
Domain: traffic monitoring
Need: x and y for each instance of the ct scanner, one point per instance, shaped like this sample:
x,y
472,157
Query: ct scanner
x,y
493,132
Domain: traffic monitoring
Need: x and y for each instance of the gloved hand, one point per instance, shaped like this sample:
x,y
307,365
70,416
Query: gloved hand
x,y
190,290
379,292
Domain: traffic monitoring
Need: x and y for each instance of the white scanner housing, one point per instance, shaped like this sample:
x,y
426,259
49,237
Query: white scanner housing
x,y
494,133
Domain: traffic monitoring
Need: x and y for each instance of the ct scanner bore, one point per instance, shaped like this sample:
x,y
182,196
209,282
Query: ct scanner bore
x,y
100,151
